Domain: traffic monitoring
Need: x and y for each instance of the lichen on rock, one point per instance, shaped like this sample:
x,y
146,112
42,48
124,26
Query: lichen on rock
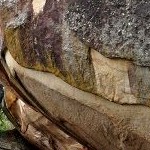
x,y
60,37
43,41
117,29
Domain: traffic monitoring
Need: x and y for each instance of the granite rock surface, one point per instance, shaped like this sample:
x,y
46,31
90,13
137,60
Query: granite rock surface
x,y
62,37
96,46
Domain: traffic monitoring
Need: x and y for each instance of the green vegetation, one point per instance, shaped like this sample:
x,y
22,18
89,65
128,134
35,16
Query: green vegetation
x,y
5,124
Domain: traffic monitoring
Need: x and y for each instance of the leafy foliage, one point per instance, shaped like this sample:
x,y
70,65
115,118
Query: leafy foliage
x,y
5,124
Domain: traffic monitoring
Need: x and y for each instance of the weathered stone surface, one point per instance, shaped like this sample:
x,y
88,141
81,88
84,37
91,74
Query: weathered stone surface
x,y
73,40
112,81
40,131
120,80
100,123
115,28
140,83
39,38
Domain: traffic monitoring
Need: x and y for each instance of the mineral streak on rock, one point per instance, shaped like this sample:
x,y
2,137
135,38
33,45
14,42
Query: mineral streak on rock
x,y
76,41
38,37
38,5
102,124
115,28
62,37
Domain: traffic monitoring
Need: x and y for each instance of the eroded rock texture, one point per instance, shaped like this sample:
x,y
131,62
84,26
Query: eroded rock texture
x,y
94,121
39,38
97,46
31,124
36,128
115,28
62,37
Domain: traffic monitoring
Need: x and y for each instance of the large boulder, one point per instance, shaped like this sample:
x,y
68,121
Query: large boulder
x,y
83,56
94,121
62,37
39,38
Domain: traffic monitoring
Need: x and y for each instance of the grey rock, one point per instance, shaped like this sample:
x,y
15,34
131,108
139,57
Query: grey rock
x,y
43,41
115,28
97,46
60,36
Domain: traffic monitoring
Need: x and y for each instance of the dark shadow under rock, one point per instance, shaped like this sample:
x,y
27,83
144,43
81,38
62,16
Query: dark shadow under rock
x,y
12,140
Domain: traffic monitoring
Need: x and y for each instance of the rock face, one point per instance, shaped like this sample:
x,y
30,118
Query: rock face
x,y
32,125
61,37
94,121
115,28
46,44
96,46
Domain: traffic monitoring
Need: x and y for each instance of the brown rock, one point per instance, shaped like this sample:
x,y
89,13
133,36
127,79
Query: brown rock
x,y
39,38
38,130
76,41
93,120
